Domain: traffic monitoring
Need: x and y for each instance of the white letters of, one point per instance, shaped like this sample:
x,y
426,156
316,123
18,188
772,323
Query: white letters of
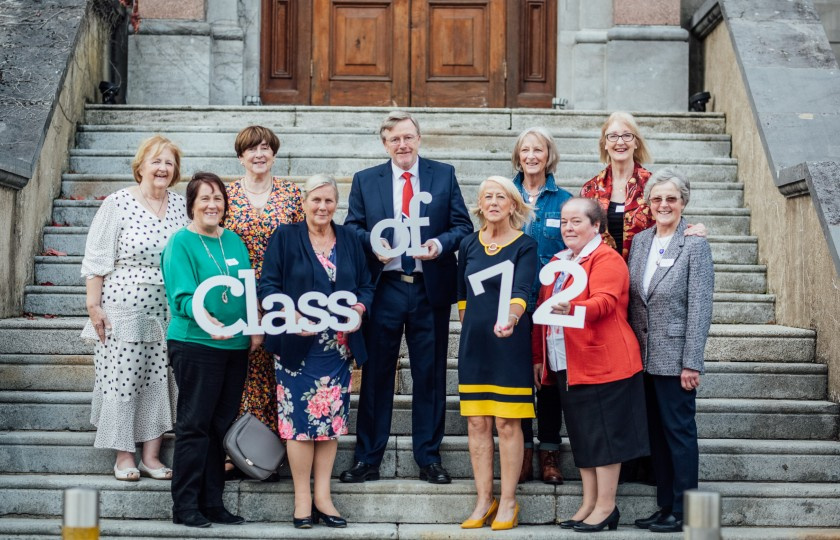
x,y
406,233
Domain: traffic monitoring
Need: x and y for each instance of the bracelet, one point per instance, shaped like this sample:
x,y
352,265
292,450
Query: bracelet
x,y
515,318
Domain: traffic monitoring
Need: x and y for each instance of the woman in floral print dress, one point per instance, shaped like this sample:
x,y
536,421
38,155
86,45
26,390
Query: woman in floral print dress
x,y
258,204
313,369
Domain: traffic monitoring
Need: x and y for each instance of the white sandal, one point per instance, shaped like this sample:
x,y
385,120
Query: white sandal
x,y
163,473
130,474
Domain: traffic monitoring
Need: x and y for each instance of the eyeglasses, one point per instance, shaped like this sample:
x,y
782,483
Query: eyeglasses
x,y
670,200
626,137
408,139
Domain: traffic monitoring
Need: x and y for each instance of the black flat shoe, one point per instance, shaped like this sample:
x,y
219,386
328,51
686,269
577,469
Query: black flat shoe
x,y
670,523
191,518
302,523
655,517
569,523
435,474
330,521
360,472
221,515
611,522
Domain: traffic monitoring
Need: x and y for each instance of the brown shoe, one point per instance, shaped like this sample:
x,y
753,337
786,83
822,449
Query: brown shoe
x,y
550,467
527,472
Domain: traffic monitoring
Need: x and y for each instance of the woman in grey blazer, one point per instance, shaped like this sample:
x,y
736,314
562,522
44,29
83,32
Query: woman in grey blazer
x,y
671,284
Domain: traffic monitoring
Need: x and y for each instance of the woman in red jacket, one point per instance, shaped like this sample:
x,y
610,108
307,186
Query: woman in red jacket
x,y
597,367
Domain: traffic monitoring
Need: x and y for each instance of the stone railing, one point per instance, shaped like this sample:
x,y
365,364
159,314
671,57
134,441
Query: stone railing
x,y
55,57
770,68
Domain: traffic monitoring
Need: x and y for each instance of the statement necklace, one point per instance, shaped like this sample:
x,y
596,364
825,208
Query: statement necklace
x,y
226,271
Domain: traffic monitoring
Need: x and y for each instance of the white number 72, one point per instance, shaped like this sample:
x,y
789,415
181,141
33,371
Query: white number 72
x,y
543,314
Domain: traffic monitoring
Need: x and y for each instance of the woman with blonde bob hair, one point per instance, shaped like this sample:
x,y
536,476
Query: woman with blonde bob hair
x,y
134,392
495,380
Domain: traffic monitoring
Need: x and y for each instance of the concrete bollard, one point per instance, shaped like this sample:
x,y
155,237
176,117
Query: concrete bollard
x,y
701,520
81,514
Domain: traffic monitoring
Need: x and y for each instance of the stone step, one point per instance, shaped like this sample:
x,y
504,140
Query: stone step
x,y
728,277
412,501
221,140
717,418
33,528
722,379
469,164
369,118
718,195
727,342
50,452
67,300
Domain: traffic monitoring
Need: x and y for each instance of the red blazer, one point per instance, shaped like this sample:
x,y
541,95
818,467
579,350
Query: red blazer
x,y
605,349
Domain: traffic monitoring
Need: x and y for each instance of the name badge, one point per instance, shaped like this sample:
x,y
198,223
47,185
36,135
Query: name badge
x,y
232,262
619,208
665,263
552,223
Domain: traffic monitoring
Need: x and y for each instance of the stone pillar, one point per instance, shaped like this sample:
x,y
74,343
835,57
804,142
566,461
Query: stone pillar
x,y
647,57
226,53
250,21
581,52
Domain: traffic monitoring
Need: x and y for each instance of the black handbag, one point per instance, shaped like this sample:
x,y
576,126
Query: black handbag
x,y
254,449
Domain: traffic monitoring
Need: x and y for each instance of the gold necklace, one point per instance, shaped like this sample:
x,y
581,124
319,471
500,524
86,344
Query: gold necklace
x,y
266,190
157,213
226,271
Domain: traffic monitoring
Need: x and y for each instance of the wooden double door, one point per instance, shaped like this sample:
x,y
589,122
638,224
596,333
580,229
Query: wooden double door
x,y
409,53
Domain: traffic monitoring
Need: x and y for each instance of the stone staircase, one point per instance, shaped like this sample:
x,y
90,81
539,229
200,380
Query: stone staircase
x,y
768,434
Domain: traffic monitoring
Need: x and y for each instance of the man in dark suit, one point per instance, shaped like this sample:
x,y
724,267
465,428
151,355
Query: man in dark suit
x,y
413,295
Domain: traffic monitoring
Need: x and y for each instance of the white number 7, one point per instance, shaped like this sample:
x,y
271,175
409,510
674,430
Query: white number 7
x,y
506,270
543,314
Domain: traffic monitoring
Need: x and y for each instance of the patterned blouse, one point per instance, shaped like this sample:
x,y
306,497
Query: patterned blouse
x,y
284,206
637,216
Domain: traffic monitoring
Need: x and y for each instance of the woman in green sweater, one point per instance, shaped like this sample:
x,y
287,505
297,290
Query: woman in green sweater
x,y
209,369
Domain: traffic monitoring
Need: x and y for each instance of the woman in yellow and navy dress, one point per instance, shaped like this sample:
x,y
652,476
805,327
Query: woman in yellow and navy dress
x,y
495,379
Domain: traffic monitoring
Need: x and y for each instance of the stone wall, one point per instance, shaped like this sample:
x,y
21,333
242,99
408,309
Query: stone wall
x,y
25,212
800,269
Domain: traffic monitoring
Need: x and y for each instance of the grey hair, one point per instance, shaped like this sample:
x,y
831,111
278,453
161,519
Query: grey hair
x,y
663,176
552,156
319,180
394,118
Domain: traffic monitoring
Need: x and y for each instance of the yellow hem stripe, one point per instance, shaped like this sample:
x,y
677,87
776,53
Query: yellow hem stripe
x,y
492,388
519,302
462,304
497,408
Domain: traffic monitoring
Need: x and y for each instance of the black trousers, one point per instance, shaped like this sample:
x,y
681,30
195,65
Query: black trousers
x,y
398,308
210,383
549,420
673,439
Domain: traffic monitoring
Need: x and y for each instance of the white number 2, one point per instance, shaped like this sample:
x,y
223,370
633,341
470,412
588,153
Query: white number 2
x,y
543,314
505,290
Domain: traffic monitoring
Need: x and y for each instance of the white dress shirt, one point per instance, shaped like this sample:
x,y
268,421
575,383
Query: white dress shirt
x,y
398,182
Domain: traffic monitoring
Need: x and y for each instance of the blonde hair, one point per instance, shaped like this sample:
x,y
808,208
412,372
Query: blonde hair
x,y
522,211
319,180
153,146
553,157
641,154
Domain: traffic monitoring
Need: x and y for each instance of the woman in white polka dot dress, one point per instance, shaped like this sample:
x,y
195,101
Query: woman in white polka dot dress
x,y
134,392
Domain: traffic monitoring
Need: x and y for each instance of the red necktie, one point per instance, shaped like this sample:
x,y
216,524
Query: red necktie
x,y
408,193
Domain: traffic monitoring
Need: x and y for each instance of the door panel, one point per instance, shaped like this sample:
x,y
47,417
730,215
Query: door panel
x,y
532,55
360,52
286,45
458,54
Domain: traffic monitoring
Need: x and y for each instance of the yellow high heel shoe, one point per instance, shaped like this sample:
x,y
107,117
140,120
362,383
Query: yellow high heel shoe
x,y
505,525
487,518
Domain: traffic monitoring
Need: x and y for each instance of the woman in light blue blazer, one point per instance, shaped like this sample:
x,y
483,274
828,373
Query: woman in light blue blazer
x,y
671,285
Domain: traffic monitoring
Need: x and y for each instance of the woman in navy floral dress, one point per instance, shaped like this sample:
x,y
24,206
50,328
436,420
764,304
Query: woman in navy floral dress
x,y
313,369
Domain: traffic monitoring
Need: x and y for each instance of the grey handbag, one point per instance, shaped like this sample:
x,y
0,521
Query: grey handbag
x,y
254,449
